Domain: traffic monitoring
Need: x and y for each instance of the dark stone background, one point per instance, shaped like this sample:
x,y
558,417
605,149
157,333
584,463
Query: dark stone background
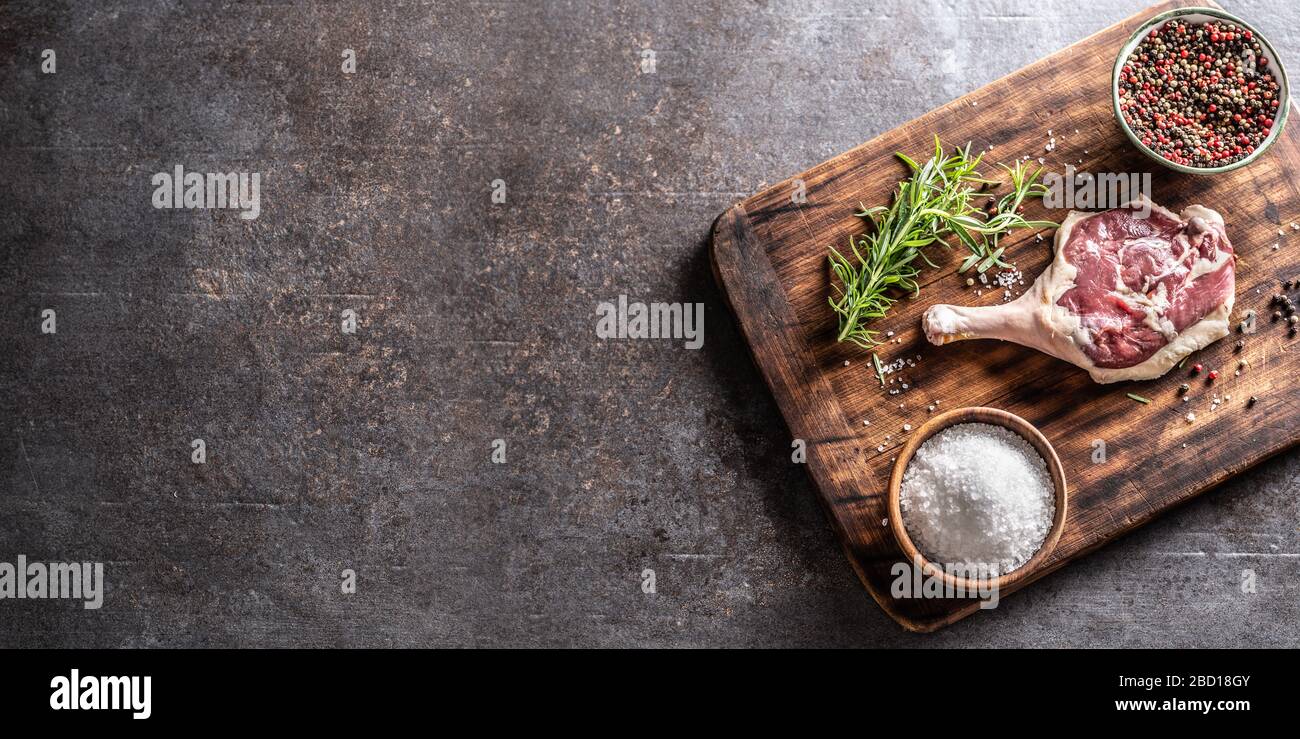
x,y
371,451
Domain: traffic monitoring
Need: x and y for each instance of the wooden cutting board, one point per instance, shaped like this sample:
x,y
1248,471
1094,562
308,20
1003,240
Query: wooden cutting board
x,y
769,257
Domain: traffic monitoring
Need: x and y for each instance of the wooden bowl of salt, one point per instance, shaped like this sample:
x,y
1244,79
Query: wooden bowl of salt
x,y
956,512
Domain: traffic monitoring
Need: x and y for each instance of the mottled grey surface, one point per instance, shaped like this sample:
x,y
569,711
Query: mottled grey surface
x,y
372,451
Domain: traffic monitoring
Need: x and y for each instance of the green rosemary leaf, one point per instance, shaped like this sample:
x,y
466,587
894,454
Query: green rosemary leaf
x,y
908,160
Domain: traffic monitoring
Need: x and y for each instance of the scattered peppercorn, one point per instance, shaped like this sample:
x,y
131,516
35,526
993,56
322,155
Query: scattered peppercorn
x,y
1200,95
1241,344
1183,388
1253,400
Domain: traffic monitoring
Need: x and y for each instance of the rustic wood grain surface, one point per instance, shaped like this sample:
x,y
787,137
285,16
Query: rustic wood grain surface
x,y
372,451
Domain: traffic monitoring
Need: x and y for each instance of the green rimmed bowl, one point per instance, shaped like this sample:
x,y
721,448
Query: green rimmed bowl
x,y
1192,16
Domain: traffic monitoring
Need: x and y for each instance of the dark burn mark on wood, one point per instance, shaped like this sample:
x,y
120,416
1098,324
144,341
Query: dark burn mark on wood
x,y
771,211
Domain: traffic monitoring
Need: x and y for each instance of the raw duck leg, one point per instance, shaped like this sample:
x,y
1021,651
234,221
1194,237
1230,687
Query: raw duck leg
x,y
1126,297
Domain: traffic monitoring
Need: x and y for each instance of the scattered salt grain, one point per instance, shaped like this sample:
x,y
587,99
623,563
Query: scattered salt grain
x,y
979,495
892,367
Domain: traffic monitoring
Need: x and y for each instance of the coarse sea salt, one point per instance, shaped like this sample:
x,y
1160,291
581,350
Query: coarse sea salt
x,y
977,495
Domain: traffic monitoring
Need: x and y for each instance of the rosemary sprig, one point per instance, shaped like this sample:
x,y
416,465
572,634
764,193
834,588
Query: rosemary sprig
x,y
986,252
934,202
882,260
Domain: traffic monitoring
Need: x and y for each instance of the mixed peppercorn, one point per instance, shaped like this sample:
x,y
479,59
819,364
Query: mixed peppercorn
x,y
1286,310
1286,313
1200,95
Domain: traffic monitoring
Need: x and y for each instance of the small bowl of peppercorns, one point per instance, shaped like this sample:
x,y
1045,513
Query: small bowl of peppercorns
x,y
1200,91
